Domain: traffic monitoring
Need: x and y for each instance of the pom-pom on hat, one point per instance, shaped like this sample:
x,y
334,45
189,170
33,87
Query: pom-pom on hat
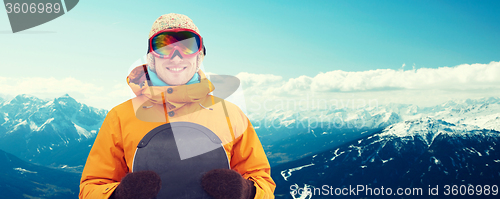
x,y
171,21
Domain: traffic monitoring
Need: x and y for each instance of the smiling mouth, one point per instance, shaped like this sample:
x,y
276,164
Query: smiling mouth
x,y
176,69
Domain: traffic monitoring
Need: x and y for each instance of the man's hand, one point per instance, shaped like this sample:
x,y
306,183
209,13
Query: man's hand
x,y
138,185
227,184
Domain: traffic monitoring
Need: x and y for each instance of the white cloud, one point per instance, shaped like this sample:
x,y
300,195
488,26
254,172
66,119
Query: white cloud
x,y
251,80
256,84
462,77
424,87
294,86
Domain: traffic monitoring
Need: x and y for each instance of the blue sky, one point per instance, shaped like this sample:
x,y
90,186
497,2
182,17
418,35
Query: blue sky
x,y
97,41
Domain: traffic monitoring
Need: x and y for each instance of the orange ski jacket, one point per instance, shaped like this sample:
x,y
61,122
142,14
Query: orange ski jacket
x,y
112,154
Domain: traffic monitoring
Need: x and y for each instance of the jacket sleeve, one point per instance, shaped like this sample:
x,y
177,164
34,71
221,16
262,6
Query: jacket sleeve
x,y
249,159
105,165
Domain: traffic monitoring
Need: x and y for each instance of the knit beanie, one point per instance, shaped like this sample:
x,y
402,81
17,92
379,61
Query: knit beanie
x,y
170,21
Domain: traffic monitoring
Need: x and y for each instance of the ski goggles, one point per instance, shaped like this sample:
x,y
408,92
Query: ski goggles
x,y
187,42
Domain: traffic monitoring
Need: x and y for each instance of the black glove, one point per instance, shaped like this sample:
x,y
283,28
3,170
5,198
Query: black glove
x,y
227,184
138,185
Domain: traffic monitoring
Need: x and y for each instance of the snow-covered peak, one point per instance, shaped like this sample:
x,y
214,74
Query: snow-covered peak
x,y
25,100
32,128
66,100
427,129
470,102
384,115
62,115
484,113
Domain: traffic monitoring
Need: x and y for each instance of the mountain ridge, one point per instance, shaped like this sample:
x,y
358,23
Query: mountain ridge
x,y
32,128
283,131
416,153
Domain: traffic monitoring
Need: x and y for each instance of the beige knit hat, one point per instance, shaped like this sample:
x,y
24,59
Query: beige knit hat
x,y
170,21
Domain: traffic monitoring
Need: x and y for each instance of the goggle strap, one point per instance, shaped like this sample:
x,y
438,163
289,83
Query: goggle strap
x,y
144,67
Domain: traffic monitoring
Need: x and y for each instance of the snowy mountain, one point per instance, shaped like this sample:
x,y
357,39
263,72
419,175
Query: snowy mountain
x,y
55,132
412,154
371,117
483,113
20,179
282,132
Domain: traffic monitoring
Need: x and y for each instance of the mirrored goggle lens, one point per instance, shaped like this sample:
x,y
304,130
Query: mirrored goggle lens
x,y
188,43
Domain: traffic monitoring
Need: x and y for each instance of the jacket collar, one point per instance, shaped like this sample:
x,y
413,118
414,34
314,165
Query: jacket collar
x,y
172,96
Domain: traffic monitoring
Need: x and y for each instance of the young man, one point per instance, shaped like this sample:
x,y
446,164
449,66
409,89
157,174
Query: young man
x,y
171,90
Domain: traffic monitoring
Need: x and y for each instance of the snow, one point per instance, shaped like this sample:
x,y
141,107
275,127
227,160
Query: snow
x,y
289,171
359,149
427,129
305,192
336,155
17,126
473,151
436,161
47,104
34,127
83,132
487,121
287,123
22,171
384,161
312,131
482,113
27,116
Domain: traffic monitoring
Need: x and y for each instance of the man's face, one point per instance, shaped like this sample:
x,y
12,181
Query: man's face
x,y
176,71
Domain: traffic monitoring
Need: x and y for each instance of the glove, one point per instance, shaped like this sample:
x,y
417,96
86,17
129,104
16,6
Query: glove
x,y
227,184
138,185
